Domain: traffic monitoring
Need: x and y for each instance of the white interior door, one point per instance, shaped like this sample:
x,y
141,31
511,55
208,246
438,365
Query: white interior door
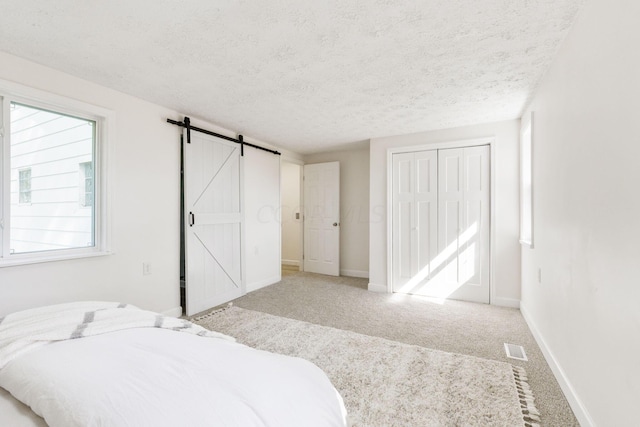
x,y
322,218
415,218
440,223
463,228
213,222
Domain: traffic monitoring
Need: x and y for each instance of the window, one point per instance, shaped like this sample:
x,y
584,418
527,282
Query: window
x,y
85,172
526,181
52,202
24,186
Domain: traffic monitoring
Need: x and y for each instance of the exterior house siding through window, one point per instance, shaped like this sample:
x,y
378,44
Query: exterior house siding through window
x,y
52,175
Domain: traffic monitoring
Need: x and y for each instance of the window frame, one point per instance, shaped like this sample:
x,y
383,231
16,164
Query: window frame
x,y
526,181
104,121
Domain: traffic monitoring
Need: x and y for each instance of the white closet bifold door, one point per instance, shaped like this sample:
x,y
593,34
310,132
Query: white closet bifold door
x,y
440,224
415,218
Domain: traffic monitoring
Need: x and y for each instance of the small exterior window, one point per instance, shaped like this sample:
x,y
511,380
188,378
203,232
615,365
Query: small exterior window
x,y
86,184
47,144
52,204
24,186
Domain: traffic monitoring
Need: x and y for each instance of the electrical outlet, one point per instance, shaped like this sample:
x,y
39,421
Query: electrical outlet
x,y
146,269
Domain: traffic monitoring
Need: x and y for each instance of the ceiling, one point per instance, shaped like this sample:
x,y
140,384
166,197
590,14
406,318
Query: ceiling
x,y
305,75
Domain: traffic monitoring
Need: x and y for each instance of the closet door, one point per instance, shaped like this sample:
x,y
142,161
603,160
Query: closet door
x,y
414,198
213,222
440,223
463,228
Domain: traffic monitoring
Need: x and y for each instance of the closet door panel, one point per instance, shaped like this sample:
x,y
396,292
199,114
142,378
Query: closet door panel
x,y
426,213
475,257
414,233
402,213
450,200
464,223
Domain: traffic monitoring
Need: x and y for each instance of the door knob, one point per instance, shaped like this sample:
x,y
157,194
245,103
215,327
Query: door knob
x,y
335,224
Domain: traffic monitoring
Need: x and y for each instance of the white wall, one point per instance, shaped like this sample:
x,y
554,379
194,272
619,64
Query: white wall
x,y
506,270
146,206
585,313
291,227
354,207
262,218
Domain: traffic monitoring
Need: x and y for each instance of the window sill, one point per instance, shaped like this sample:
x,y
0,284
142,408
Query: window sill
x,y
25,260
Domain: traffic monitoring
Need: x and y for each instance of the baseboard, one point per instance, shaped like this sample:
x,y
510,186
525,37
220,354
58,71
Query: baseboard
x,y
506,302
375,287
576,404
293,262
262,283
355,273
174,312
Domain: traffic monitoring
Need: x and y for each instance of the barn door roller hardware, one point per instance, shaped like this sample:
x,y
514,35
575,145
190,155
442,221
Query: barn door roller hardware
x,y
186,123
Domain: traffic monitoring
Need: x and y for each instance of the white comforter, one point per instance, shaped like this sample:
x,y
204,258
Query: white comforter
x,y
151,376
29,329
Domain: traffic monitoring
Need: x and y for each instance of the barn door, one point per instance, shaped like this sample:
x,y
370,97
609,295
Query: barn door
x,y
213,222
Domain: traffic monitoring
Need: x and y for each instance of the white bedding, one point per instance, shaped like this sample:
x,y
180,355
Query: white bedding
x,y
29,329
149,376
16,414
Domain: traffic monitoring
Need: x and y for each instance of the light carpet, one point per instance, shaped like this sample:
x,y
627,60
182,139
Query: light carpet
x,y
387,383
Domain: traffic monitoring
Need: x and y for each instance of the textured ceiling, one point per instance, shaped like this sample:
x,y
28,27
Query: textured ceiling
x,y
306,75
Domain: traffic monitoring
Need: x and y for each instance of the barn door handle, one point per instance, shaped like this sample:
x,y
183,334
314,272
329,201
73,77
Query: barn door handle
x,y
192,219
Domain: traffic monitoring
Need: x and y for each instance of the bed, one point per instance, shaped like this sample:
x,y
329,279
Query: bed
x,y
110,364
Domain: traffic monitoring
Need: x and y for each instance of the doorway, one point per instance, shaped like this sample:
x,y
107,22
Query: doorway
x,y
291,216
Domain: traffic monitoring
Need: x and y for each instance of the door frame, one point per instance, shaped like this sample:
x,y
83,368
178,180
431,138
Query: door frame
x,y
460,143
